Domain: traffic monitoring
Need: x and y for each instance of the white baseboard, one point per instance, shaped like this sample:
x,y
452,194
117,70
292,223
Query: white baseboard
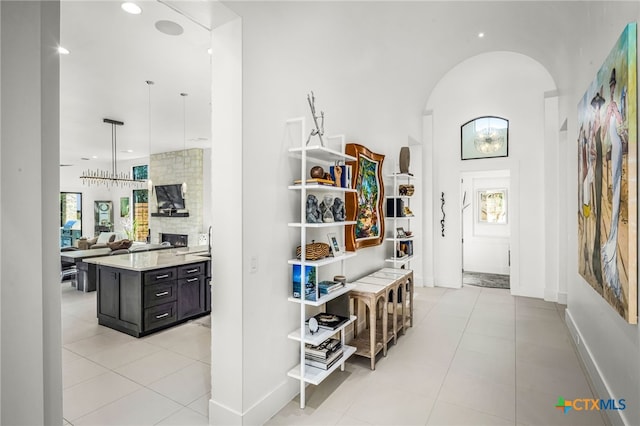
x,y
559,297
596,378
562,298
550,295
260,412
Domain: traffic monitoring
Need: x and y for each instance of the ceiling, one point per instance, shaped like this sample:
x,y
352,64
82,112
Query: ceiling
x,y
112,54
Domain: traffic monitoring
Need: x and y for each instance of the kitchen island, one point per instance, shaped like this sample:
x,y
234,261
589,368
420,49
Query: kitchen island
x,y
144,292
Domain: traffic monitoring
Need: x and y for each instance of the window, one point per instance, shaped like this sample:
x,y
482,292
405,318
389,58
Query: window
x,y
141,204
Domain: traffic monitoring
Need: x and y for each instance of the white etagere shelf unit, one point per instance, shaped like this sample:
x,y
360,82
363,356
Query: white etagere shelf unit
x,y
400,221
311,155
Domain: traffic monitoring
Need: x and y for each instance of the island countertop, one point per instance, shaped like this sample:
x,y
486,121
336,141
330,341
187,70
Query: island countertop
x,y
147,260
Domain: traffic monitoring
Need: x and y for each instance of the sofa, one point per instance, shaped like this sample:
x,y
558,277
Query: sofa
x,y
105,239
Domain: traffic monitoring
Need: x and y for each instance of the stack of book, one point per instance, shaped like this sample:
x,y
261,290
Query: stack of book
x,y
327,287
324,355
330,321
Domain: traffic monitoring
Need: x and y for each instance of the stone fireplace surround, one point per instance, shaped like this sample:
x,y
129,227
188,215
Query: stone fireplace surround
x,y
173,168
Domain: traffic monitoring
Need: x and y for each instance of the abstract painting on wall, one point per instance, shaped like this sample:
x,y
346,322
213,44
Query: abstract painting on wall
x,y
607,170
365,205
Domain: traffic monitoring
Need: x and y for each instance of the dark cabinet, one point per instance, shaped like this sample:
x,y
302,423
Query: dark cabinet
x,y
139,303
191,296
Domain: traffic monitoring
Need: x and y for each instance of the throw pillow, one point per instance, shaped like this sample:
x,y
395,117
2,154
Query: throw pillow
x,y
121,244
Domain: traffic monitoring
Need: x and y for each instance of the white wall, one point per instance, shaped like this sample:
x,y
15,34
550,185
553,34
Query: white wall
x,y
30,333
486,245
507,85
609,346
370,108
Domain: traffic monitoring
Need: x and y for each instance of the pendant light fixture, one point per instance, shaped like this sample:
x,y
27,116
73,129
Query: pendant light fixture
x,y
184,145
489,139
113,177
149,181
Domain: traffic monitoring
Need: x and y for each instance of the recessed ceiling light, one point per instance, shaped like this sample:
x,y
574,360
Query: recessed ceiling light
x,y
128,150
131,8
84,158
94,156
169,27
480,35
209,51
62,50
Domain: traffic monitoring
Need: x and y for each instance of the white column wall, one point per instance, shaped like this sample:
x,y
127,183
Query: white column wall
x,y
551,199
228,312
428,197
30,333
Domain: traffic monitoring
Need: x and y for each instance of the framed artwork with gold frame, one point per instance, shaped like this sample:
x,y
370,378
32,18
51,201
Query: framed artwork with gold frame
x,y
365,205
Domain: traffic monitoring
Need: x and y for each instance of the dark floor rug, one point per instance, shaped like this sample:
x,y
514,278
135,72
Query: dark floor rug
x,y
480,279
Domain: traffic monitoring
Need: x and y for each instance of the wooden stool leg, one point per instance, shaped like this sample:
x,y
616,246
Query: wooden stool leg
x,y
372,335
385,326
355,323
394,301
402,300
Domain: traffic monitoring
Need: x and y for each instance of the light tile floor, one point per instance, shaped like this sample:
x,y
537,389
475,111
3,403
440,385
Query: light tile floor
x,y
110,378
475,356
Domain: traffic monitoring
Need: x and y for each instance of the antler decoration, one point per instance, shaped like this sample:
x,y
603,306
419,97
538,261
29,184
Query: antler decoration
x,y
319,130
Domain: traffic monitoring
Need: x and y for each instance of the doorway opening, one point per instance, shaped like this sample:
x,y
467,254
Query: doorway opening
x,y
485,221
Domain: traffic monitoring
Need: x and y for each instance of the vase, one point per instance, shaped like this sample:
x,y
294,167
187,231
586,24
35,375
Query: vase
x,y
405,157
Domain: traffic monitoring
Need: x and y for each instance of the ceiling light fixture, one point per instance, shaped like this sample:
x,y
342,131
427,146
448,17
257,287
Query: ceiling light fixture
x,y
480,35
131,8
113,177
63,51
184,147
149,182
489,139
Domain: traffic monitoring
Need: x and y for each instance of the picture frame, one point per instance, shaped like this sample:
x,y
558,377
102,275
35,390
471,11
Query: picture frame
x,y
333,243
365,205
484,137
103,216
400,233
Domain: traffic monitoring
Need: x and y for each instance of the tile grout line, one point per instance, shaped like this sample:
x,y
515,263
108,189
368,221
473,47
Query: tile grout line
x,y
139,384
435,400
142,386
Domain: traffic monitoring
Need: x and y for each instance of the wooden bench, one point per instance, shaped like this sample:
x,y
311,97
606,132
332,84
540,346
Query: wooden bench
x,y
393,288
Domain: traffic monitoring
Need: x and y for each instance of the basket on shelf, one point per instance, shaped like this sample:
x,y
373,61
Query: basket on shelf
x,y
314,251
406,190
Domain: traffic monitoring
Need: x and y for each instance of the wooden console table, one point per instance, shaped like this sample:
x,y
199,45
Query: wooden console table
x,y
387,285
370,295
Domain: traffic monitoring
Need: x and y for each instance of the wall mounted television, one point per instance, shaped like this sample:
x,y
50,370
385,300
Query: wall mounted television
x,y
169,197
